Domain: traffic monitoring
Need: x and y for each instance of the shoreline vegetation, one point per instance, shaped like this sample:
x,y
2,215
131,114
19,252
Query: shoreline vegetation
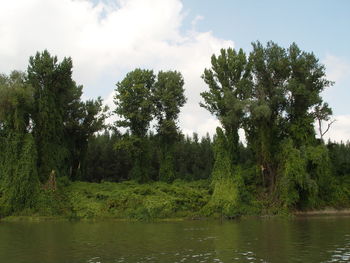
x,y
151,202
61,158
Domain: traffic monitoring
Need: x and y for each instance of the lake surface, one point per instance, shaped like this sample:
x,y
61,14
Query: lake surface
x,y
313,239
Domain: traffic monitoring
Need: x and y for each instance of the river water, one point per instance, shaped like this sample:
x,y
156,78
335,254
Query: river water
x,y
312,239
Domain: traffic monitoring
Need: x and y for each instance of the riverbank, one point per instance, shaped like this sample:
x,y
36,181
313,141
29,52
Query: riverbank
x,y
131,201
327,211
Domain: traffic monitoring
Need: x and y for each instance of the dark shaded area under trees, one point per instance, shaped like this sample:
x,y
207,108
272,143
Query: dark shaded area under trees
x,y
48,133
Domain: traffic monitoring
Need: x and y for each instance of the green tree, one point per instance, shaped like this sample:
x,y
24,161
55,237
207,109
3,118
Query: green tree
x,y
62,123
264,125
18,172
134,105
275,96
168,98
284,106
82,120
305,105
53,90
229,82
227,182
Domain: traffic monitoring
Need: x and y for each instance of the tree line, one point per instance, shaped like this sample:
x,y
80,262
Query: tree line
x,y
272,93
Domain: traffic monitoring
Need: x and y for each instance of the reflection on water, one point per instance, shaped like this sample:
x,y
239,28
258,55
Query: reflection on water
x,y
341,253
320,240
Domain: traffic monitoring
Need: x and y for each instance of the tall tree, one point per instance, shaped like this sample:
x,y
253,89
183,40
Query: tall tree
x,y
134,105
53,90
286,95
265,123
229,88
305,105
229,82
168,98
62,123
275,97
18,172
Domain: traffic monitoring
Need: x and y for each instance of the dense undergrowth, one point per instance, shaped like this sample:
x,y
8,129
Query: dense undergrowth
x,y
126,200
130,200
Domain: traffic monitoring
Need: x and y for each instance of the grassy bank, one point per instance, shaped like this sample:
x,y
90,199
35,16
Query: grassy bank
x,y
141,202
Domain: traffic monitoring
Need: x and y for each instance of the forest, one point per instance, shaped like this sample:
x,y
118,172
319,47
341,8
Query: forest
x,y
60,156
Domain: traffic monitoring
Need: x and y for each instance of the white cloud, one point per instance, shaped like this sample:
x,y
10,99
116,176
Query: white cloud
x,y
110,38
337,69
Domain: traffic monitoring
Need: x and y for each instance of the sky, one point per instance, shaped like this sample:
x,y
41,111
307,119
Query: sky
x,y
108,38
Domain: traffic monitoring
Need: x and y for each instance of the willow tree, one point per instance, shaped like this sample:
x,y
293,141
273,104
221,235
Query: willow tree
x,y
168,97
18,172
134,106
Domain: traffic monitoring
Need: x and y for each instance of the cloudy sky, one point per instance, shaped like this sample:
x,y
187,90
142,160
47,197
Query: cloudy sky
x,y
108,38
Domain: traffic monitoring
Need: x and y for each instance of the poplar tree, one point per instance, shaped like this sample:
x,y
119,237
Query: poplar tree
x,y
134,106
168,97
229,83
62,123
265,126
53,89
275,95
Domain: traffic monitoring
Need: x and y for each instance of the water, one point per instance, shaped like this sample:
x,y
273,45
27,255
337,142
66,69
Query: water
x,y
323,239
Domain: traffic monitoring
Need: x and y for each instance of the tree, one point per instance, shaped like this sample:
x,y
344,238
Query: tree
x,y
265,124
62,123
53,95
275,97
306,82
229,87
134,105
81,122
229,81
322,112
168,98
18,172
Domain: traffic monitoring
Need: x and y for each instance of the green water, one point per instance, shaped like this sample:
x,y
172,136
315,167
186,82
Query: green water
x,y
324,239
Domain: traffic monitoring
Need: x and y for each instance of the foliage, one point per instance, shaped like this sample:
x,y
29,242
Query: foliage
x,y
296,187
136,201
18,172
20,181
52,84
227,182
168,98
272,93
134,105
110,157
83,120
133,101
229,86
